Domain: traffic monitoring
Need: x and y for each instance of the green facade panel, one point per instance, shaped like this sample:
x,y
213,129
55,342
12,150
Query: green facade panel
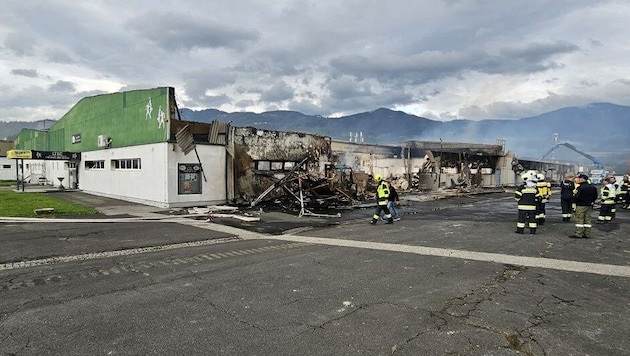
x,y
127,118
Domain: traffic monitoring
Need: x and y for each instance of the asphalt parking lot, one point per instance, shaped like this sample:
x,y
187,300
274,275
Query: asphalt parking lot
x,y
451,278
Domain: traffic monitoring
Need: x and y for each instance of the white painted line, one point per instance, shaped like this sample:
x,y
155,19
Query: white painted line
x,y
562,265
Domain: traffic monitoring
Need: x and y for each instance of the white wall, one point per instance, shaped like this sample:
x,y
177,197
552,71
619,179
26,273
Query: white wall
x,y
7,173
214,188
156,183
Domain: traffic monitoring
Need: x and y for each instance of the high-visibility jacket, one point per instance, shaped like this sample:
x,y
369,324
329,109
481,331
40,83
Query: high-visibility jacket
x,y
382,193
544,188
608,194
527,197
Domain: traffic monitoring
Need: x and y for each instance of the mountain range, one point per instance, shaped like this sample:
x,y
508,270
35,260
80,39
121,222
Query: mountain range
x,y
600,130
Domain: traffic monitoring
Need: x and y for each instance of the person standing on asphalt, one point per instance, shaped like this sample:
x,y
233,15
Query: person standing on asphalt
x,y
613,182
624,197
528,197
606,213
391,203
382,197
566,196
544,188
584,197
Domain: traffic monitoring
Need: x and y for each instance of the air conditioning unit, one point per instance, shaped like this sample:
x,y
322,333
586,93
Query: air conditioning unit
x,y
103,141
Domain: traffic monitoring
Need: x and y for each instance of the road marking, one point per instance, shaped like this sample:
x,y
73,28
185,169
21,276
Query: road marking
x,y
562,265
537,262
137,267
126,252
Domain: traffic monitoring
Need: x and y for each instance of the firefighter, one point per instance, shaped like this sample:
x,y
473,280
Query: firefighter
x,y
584,197
528,197
623,197
382,197
608,202
544,189
576,185
566,196
613,210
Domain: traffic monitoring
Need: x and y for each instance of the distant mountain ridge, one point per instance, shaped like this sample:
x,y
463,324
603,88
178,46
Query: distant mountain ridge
x,y
600,129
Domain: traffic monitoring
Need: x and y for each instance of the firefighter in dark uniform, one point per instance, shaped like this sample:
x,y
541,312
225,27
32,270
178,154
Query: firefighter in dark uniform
x,y
584,197
528,198
382,197
566,197
607,202
623,198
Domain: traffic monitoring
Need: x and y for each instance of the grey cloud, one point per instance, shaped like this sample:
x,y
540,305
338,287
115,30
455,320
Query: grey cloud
x,y
280,91
415,69
21,43
534,56
63,86
589,83
270,62
34,103
212,101
178,32
305,107
431,65
507,110
31,73
57,55
346,87
197,82
244,103
390,98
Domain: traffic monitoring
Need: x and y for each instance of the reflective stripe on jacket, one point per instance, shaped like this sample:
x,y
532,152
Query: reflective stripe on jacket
x,y
608,194
527,197
382,193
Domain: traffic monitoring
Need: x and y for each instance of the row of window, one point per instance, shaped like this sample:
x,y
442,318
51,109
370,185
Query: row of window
x,y
276,165
119,164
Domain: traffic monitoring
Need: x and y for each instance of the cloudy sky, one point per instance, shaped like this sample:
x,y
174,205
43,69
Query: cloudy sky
x,y
444,60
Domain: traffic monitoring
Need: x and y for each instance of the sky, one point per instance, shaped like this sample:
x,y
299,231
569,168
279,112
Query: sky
x,y
443,60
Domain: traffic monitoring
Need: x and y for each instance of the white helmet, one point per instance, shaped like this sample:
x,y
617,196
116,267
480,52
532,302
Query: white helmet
x,y
528,176
540,177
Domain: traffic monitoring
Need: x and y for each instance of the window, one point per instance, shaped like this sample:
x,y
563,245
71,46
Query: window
x,y
6,166
276,165
263,165
127,164
94,164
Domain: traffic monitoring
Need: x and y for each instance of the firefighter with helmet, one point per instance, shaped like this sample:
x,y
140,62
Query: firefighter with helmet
x,y
528,197
606,213
544,188
623,195
382,195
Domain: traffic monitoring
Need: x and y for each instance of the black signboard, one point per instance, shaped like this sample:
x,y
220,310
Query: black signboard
x,y
189,178
57,156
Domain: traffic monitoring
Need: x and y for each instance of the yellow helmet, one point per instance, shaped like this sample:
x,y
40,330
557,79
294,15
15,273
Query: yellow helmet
x,y
378,177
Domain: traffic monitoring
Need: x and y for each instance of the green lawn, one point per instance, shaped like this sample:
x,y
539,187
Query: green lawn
x,y
14,204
